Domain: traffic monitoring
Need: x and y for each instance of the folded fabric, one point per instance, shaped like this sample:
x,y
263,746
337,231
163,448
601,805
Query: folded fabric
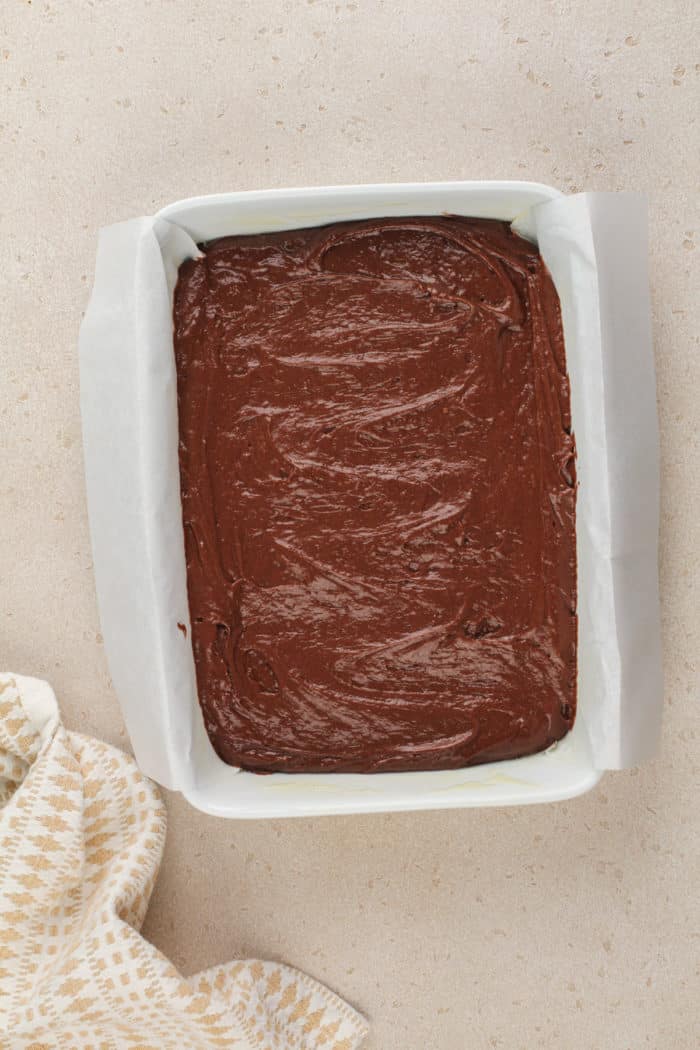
x,y
81,838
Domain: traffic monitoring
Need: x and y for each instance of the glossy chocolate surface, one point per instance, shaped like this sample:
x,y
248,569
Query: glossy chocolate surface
x,y
378,490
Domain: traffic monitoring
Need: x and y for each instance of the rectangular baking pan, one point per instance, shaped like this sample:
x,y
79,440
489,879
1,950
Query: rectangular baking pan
x,y
158,695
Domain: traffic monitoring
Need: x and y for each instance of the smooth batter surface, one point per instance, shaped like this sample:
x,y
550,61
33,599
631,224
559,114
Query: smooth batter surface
x,y
378,494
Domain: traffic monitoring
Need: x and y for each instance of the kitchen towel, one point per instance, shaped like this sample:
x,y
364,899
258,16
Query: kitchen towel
x,y
81,838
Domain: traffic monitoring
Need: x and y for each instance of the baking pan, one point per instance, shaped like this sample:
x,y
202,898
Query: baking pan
x,y
595,247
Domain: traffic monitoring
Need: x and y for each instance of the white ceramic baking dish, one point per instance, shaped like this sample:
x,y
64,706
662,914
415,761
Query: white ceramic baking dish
x,y
157,692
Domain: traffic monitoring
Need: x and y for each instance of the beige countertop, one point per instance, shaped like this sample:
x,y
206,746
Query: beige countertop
x,y
573,925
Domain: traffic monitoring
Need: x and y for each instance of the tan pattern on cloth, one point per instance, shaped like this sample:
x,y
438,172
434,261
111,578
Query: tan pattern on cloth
x,y
81,837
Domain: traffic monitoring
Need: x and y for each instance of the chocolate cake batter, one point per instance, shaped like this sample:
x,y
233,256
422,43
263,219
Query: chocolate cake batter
x,y
378,493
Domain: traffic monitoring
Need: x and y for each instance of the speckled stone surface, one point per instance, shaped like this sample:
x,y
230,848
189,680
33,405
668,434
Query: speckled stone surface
x,y
574,925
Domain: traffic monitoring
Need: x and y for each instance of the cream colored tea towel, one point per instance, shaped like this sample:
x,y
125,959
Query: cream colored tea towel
x,y
81,837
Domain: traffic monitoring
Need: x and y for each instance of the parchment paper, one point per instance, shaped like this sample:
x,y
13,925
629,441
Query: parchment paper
x,y
595,245
595,248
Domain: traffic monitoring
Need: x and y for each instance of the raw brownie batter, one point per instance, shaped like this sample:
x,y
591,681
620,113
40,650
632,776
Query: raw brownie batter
x,y
378,491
